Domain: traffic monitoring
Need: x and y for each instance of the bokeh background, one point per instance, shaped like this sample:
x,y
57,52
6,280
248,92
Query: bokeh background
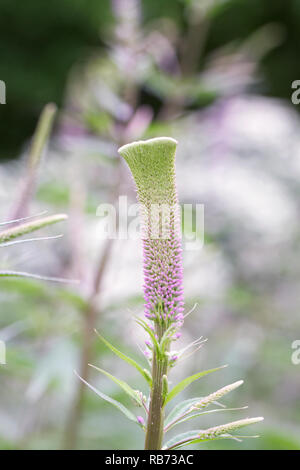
x,y
216,75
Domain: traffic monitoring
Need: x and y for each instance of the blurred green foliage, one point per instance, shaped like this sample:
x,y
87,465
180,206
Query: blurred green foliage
x,y
245,283
40,42
235,20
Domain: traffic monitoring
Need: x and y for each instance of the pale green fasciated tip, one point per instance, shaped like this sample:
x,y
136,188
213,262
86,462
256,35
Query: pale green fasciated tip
x,y
152,164
147,144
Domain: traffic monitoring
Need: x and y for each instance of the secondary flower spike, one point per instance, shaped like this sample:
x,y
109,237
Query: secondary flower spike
x,y
152,164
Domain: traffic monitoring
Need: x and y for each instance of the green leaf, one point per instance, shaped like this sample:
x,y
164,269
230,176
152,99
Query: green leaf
x,y
38,277
132,362
180,420
73,298
184,383
148,330
22,219
183,409
110,400
127,389
177,440
166,338
223,436
180,409
148,376
217,432
25,286
41,134
191,437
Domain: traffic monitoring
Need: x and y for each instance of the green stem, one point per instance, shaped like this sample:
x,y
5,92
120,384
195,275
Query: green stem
x,y
39,141
155,424
41,134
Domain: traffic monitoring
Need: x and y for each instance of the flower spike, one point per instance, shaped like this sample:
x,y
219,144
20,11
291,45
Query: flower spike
x,y
152,163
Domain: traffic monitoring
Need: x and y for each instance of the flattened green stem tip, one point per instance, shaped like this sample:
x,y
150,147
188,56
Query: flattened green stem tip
x,y
147,143
152,165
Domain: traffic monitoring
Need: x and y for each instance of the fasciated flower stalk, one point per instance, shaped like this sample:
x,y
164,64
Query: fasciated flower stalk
x,y
152,164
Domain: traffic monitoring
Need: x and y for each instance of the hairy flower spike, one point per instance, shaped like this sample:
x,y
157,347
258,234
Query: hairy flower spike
x,y
28,227
217,431
206,401
152,163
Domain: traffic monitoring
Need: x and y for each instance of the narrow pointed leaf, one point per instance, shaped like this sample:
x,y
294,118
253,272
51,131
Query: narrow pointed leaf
x,y
217,432
196,415
184,383
148,330
36,276
179,438
197,404
235,437
21,219
127,359
110,400
127,389
41,134
28,240
190,437
180,409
